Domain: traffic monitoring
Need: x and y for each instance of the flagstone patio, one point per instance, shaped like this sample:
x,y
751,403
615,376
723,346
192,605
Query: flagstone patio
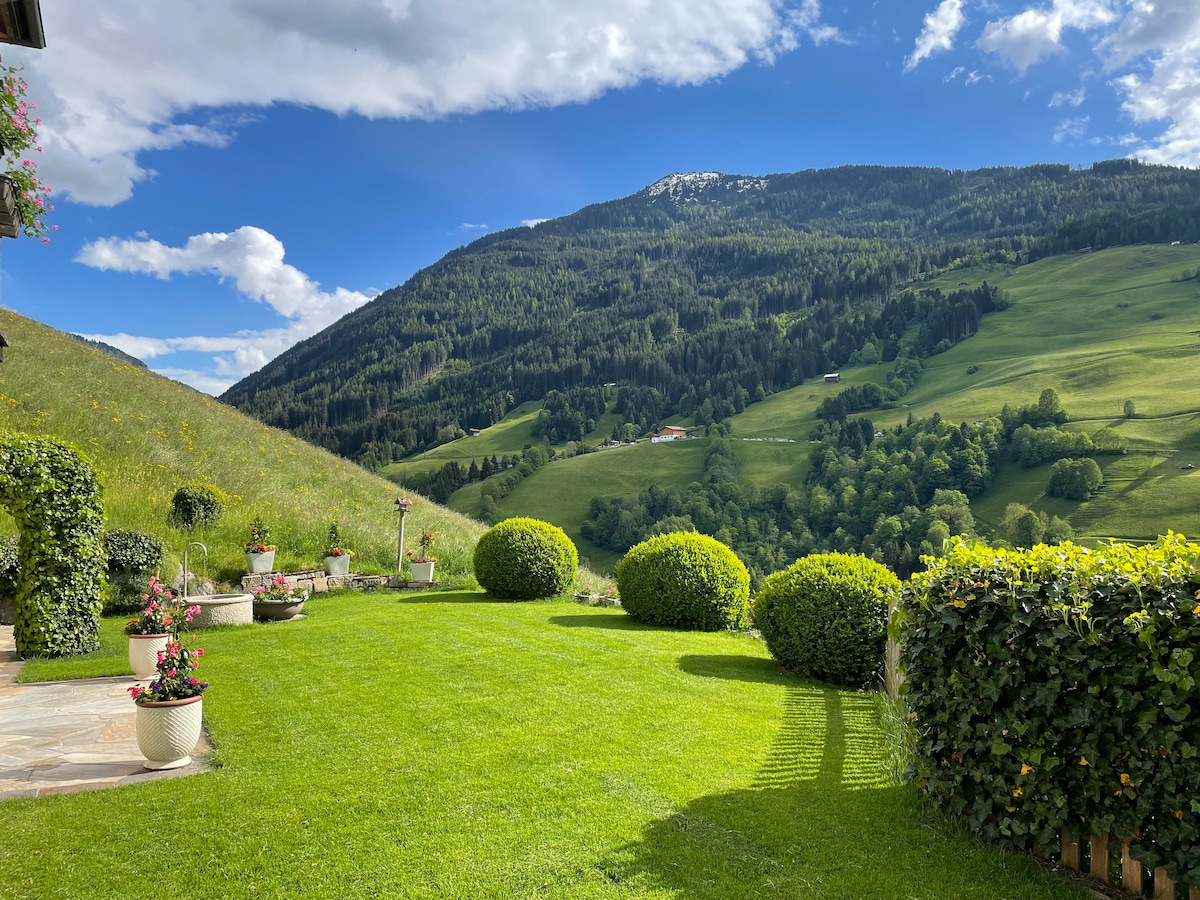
x,y
63,736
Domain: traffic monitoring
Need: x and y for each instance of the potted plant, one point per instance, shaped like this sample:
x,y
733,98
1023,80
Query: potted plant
x,y
421,564
280,600
260,553
157,624
337,558
170,709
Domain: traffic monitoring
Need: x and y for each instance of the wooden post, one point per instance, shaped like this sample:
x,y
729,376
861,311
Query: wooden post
x,y
1164,887
1100,857
892,676
1194,893
1070,851
1131,871
402,506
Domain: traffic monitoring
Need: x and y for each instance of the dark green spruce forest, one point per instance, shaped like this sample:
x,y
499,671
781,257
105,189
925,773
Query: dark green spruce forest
x,y
696,296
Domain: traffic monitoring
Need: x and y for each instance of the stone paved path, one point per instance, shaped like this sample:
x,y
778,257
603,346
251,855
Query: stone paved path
x,y
62,736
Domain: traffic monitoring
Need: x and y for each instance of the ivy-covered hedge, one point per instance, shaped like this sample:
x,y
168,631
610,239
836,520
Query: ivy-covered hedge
x,y
53,494
196,503
1057,687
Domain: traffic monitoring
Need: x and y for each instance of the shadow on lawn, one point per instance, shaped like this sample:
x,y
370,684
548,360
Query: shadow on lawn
x,y
450,597
617,622
822,819
735,667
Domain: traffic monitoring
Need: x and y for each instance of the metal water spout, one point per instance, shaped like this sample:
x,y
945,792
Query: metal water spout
x,y
185,563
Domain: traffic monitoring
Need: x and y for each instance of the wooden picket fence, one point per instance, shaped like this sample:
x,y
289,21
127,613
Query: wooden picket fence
x,y
1123,870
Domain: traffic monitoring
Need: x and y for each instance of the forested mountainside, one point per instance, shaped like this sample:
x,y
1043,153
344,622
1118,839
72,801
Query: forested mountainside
x,y
701,287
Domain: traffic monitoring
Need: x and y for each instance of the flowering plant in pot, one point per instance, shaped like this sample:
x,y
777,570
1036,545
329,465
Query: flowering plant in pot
x,y
421,563
280,600
260,552
23,195
157,624
337,557
170,708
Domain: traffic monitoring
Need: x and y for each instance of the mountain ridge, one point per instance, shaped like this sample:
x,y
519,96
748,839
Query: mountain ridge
x,y
700,284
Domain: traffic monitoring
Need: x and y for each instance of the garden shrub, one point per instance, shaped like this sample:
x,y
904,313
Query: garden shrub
x,y
685,580
132,557
1057,687
53,495
525,559
195,503
825,616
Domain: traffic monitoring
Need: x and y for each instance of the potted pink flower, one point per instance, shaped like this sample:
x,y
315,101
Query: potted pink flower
x,y
280,600
155,626
170,708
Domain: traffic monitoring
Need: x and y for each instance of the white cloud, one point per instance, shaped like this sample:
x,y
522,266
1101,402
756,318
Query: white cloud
x,y
1068,98
940,28
973,77
1071,129
1166,35
1025,38
253,258
123,76
954,73
529,223
473,226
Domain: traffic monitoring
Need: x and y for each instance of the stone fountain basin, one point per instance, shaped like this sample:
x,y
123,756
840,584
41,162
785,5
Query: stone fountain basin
x,y
221,609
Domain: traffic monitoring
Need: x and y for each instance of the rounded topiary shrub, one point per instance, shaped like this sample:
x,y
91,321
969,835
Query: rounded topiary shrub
x,y
196,503
826,616
524,559
684,579
132,557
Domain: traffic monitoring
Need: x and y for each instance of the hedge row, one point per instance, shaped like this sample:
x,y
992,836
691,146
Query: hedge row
x,y
1057,687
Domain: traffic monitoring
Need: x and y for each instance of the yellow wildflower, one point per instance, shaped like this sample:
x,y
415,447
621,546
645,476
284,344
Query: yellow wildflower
x,y
1026,768
1083,761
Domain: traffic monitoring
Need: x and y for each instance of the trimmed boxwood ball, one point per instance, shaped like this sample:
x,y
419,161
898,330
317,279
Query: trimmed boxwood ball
x,y
685,580
826,616
525,559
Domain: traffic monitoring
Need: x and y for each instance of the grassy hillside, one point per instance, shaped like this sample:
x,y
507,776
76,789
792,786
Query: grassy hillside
x,y
147,435
1099,328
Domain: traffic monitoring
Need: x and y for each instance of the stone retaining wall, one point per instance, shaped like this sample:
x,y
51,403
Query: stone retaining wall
x,y
322,582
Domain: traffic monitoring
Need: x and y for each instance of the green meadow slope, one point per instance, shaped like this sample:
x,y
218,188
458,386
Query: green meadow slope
x,y
1100,328
147,435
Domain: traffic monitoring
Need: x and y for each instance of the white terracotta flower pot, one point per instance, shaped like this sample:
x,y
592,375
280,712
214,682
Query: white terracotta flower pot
x,y
143,653
168,731
337,565
421,571
260,563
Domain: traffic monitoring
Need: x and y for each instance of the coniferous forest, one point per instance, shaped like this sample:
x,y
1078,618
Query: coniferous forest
x,y
696,296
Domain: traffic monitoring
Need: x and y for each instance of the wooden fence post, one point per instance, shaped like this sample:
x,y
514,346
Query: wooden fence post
x,y
1131,871
1100,857
1070,851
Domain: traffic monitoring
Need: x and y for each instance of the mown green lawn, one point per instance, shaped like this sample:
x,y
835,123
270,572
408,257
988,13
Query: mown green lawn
x,y
447,746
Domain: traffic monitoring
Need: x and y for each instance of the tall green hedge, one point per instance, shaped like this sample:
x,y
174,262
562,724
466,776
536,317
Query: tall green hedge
x,y
1057,687
53,494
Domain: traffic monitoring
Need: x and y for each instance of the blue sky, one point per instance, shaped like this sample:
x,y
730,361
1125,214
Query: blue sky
x,y
232,176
